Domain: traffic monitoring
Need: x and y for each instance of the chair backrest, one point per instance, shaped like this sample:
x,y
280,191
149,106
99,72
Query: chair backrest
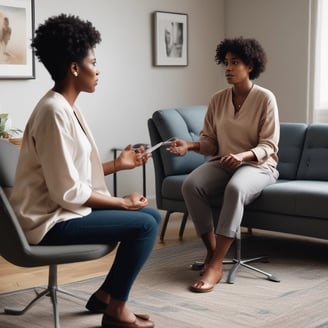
x,y
313,163
185,123
13,243
292,136
9,154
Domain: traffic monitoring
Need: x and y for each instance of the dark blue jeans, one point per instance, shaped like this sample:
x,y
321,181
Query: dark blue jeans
x,y
136,232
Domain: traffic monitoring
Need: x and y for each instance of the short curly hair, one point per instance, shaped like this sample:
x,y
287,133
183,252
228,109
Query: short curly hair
x,y
61,40
248,50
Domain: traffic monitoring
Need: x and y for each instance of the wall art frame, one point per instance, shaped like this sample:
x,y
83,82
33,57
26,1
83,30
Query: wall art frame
x,y
170,38
16,33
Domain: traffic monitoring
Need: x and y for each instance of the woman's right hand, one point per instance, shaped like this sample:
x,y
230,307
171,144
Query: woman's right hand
x,y
178,147
134,201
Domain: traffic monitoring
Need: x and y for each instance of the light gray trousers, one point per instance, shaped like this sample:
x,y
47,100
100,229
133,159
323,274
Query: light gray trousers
x,y
211,183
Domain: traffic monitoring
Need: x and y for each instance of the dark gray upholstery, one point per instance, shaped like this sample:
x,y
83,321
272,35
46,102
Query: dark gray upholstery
x,y
314,162
290,148
170,170
9,157
294,197
297,203
15,248
177,123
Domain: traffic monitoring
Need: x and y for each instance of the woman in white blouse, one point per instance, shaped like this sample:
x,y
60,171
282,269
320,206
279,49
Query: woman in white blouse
x,y
60,195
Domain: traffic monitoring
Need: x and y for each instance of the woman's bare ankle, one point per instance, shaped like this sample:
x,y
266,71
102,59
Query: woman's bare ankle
x,y
213,274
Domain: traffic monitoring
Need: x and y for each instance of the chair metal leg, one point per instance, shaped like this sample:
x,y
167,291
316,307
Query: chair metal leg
x,y
238,262
52,287
52,291
16,311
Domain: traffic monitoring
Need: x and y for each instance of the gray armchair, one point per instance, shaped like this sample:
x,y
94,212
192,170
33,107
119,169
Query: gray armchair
x,y
16,250
171,170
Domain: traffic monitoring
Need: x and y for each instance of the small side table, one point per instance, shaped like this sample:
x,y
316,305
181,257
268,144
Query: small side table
x,y
115,151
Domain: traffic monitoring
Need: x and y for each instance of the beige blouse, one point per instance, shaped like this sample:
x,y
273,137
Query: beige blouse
x,y
255,127
58,168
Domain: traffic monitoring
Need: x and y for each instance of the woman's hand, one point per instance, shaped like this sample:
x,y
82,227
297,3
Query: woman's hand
x,y
235,160
231,161
134,201
178,147
130,158
131,202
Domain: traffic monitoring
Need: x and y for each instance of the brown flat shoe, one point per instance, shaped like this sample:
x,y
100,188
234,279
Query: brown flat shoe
x,y
142,321
95,305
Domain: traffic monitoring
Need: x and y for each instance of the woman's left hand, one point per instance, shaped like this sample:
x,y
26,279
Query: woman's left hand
x,y
130,158
134,201
231,161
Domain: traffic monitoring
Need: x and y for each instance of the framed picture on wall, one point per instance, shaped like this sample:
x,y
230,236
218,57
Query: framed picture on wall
x,y
16,33
170,39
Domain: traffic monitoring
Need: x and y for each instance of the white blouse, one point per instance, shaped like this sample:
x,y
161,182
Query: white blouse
x,y
58,168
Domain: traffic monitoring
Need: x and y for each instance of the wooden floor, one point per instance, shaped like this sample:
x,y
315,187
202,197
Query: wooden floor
x,y
14,278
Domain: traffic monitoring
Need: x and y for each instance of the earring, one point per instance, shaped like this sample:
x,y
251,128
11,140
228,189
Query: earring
x,y
75,74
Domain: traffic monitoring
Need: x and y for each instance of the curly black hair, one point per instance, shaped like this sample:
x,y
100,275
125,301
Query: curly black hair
x,y
62,40
248,50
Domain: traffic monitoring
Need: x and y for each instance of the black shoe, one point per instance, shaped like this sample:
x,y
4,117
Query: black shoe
x,y
94,305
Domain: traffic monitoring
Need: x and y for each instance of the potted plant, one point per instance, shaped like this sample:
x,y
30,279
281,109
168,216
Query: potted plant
x,y
3,121
13,135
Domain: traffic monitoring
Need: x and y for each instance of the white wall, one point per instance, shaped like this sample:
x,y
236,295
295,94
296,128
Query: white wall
x,y
130,88
282,27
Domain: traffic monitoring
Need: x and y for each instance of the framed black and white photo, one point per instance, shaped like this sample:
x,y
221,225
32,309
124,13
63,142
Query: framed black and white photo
x,y
170,39
16,33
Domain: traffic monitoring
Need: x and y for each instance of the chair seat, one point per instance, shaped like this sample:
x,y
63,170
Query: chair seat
x,y
171,187
47,255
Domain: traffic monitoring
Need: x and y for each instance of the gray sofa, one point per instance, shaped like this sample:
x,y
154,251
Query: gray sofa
x,y
296,204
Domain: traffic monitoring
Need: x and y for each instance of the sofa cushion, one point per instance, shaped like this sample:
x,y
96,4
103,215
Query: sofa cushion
x,y
313,164
171,187
291,141
294,197
184,123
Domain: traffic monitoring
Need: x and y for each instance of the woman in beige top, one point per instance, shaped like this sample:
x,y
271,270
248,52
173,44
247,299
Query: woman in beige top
x,y
241,132
60,195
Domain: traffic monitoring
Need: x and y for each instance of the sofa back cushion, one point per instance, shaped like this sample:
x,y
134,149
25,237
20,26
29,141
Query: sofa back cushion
x,y
291,142
314,160
185,123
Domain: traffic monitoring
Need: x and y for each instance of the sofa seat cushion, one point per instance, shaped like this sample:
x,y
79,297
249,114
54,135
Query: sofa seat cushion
x,y
171,187
294,197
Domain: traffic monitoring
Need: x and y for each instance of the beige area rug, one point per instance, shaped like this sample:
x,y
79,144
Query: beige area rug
x,y
299,300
